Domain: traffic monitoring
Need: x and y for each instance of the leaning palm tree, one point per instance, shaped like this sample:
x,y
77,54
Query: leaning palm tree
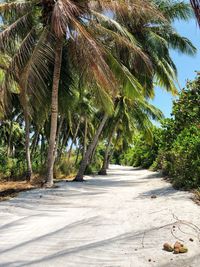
x,y
130,116
37,33
196,6
156,37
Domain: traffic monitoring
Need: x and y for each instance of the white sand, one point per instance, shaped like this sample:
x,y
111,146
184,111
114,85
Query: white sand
x,y
108,221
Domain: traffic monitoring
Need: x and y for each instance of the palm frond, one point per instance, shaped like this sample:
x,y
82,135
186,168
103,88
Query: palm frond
x,y
15,31
174,10
19,8
37,73
23,54
196,6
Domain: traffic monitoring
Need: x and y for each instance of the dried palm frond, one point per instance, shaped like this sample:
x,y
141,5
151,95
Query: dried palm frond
x,y
196,6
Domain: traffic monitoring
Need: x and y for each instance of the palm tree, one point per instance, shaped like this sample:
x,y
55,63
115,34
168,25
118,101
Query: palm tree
x,y
156,37
39,30
131,116
16,85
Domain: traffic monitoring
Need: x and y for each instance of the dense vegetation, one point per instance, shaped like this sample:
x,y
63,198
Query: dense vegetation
x,y
176,144
76,78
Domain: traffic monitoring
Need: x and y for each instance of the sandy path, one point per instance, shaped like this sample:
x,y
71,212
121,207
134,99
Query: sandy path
x,y
108,221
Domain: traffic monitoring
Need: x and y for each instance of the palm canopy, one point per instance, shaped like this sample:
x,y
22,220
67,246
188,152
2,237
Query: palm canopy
x,y
156,36
35,34
30,29
115,47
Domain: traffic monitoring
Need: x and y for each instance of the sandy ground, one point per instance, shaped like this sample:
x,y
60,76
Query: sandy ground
x,y
109,221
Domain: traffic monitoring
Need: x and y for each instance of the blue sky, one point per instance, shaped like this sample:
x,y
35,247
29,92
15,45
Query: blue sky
x,y
186,65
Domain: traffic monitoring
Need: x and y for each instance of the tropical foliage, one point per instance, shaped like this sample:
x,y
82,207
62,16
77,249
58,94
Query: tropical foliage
x,y
176,145
76,73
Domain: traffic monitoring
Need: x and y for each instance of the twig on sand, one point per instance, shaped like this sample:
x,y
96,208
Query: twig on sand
x,y
177,223
189,224
157,211
143,239
172,232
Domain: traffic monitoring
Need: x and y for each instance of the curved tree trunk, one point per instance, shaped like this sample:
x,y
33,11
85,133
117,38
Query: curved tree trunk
x,y
85,160
103,170
91,159
54,114
111,154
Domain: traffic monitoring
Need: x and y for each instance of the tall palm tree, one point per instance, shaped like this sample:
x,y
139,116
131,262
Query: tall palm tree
x,y
37,33
156,36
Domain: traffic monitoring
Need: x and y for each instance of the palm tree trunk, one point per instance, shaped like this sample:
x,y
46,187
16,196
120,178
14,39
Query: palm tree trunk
x,y
85,160
106,156
35,143
85,138
9,139
74,139
103,170
42,148
91,158
54,113
24,102
112,152
64,143
58,136
27,140
77,154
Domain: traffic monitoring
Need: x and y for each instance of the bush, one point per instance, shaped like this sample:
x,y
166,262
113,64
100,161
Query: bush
x,y
142,153
176,145
186,163
64,168
182,161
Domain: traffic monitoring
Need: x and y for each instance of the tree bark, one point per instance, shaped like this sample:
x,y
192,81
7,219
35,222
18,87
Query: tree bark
x,y
28,155
54,113
64,143
24,103
73,140
58,136
103,170
77,154
85,160
42,148
85,137
9,139
35,143
27,138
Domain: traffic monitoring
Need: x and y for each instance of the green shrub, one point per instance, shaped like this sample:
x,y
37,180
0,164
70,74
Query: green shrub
x,y
186,163
64,168
142,153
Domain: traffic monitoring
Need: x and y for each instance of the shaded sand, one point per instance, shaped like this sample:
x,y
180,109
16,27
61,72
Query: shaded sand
x,y
109,221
